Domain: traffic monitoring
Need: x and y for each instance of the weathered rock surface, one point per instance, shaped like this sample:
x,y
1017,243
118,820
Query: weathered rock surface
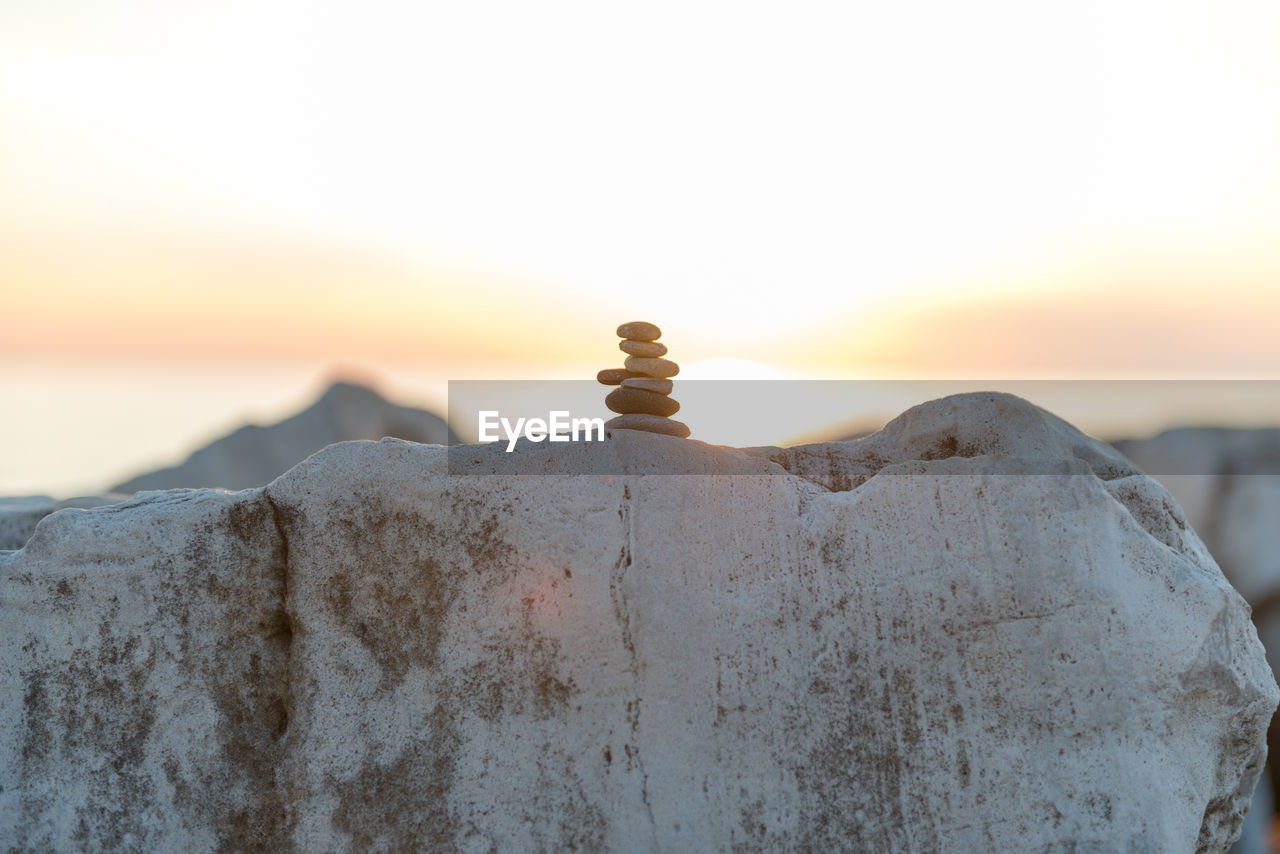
x,y
20,515
980,631
1228,483
255,455
144,653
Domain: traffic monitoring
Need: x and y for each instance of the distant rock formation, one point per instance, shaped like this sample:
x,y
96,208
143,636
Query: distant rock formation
x,y
978,630
254,456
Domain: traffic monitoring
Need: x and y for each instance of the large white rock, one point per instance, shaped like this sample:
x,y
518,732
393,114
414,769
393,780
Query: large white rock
x,y
1228,482
977,630
255,455
143,678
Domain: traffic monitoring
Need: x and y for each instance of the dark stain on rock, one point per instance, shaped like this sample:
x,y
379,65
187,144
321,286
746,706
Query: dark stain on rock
x,y
37,740
400,626
944,449
399,617
562,817
403,806
951,446
755,831
1219,815
519,677
905,704
445,555
246,672
552,692
617,593
850,774
558,815
94,704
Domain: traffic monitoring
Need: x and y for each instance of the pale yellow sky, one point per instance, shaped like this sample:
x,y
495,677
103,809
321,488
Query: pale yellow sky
x,y
828,189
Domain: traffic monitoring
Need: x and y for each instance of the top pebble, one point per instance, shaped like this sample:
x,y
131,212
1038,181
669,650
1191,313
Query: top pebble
x,y
639,330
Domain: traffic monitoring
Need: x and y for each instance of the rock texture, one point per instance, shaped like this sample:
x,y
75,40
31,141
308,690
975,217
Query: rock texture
x,y
20,515
977,630
1228,483
254,455
144,653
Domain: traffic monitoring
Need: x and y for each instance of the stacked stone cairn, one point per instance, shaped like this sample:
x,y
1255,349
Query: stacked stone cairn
x,y
642,399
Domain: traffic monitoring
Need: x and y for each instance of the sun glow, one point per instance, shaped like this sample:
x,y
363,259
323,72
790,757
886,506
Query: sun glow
x,y
486,190
730,369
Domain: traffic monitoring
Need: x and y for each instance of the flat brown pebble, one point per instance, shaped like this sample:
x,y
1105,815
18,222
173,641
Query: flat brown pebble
x,y
649,424
614,376
639,330
660,368
649,349
629,400
649,384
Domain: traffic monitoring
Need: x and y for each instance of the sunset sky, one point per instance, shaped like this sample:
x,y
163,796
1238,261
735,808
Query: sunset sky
x,y
208,207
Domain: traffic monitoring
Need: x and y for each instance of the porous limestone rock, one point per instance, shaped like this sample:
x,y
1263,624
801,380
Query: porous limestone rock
x,y
19,515
143,678
255,455
1228,483
981,631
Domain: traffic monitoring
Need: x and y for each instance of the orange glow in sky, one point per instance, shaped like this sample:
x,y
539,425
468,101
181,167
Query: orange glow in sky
x,y
458,190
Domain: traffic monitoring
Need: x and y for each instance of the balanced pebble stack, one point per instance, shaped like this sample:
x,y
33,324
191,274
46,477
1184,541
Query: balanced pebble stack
x,y
642,399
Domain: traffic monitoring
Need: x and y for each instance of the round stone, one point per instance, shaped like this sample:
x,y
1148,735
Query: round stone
x,y
649,384
628,400
660,368
648,349
638,330
614,376
649,424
